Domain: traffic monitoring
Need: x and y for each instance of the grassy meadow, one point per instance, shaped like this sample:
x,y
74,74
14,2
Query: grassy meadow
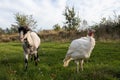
x,y
104,63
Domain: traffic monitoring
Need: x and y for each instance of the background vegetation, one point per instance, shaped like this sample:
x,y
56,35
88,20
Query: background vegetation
x,y
107,29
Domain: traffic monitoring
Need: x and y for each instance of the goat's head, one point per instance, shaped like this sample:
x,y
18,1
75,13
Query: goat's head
x,y
22,31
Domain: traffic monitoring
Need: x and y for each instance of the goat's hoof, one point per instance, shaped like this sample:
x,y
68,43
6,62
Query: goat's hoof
x,y
31,59
36,63
38,59
25,69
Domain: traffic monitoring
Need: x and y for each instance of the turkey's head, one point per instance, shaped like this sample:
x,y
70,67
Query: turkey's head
x,y
91,32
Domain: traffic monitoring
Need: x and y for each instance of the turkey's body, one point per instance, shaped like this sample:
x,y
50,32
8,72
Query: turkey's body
x,y
79,50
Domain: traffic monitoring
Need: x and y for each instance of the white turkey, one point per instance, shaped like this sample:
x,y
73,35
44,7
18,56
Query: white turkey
x,y
80,49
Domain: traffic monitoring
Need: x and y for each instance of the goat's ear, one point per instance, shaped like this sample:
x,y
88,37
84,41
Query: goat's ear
x,y
27,28
18,29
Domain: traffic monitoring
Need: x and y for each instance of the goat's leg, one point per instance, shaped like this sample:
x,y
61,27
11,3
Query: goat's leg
x,y
36,58
31,57
26,61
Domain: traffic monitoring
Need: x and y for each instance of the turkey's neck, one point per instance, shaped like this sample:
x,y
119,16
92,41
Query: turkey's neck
x,y
92,40
92,44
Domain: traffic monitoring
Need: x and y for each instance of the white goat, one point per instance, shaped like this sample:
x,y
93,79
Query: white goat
x,y
80,49
31,42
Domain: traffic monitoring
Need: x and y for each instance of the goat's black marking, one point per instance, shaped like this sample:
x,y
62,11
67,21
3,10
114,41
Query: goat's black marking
x,y
24,29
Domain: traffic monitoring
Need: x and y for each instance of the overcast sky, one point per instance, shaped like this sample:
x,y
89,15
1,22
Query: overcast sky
x,y
50,12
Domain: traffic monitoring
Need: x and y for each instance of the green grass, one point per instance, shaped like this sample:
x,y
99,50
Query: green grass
x,y
104,63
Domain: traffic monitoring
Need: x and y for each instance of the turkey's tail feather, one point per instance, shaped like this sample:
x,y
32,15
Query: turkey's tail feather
x,y
67,60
